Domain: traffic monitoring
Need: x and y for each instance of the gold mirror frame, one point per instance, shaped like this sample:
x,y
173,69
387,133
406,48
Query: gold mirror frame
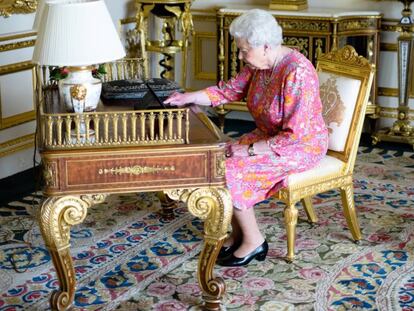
x,y
288,5
9,7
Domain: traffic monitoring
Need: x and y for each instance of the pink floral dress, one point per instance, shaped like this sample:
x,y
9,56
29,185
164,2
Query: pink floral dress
x,y
288,115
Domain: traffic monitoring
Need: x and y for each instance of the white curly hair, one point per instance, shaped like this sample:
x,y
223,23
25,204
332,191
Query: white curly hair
x,y
257,27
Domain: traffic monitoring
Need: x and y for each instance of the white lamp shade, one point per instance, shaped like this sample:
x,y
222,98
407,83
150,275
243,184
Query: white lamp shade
x,y
76,33
39,12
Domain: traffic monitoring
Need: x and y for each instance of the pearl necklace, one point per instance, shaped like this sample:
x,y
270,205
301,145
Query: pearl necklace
x,y
272,73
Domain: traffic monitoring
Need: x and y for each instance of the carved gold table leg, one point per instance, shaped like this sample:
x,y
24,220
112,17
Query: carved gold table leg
x,y
57,215
215,206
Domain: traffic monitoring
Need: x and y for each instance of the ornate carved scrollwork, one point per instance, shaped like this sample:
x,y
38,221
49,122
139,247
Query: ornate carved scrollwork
x,y
9,7
301,43
347,55
50,175
57,215
358,24
305,191
135,170
17,45
220,165
215,206
304,25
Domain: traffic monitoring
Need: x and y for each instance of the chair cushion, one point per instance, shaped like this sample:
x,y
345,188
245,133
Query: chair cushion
x,y
339,96
328,166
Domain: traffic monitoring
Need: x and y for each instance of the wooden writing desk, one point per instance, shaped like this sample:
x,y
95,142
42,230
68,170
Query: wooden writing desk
x,y
77,177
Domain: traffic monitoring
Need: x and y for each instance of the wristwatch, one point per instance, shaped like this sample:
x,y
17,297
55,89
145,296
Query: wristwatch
x,y
250,150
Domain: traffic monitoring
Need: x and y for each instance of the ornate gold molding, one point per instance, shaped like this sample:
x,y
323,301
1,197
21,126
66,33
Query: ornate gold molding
x,y
17,119
390,92
348,55
388,47
6,69
127,20
9,7
387,91
21,117
204,17
289,195
50,174
357,24
288,5
17,36
135,170
17,45
300,24
301,44
392,113
220,164
17,144
198,57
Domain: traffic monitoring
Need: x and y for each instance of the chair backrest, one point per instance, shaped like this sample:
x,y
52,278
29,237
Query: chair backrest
x,y
345,81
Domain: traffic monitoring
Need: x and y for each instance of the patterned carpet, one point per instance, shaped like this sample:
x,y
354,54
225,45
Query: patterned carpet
x,y
122,246
128,257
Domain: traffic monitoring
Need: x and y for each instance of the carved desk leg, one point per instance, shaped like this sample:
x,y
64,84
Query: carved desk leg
x,y
167,204
215,206
57,215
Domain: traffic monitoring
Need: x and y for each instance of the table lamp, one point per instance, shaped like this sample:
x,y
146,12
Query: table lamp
x,y
76,34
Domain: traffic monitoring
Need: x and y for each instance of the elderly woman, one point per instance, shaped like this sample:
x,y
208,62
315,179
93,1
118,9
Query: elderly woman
x,y
282,92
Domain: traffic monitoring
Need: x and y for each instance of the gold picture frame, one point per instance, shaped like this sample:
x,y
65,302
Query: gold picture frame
x,y
288,5
13,120
9,7
199,70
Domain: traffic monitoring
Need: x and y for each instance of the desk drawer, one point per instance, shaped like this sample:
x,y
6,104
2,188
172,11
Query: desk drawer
x,y
147,172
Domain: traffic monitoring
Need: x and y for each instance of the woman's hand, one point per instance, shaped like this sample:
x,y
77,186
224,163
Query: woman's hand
x,y
182,99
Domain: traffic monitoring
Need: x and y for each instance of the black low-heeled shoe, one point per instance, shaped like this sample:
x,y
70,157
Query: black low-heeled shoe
x,y
226,251
232,261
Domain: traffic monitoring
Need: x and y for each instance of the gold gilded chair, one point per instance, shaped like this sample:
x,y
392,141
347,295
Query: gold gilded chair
x,y
345,81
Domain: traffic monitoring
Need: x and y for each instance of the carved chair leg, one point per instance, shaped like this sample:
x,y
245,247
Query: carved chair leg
x,y
347,195
291,219
310,212
215,206
57,215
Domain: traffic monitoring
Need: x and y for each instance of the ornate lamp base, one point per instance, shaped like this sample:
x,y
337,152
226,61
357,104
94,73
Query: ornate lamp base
x,y
80,91
288,5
